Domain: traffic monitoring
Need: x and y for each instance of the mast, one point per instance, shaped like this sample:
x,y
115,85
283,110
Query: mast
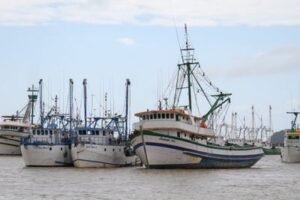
x,y
294,127
71,103
188,65
270,120
253,123
126,107
41,102
190,75
85,102
32,99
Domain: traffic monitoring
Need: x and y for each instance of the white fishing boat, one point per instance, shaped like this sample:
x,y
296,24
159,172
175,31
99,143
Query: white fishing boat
x,y
11,131
50,143
12,128
173,137
103,142
290,153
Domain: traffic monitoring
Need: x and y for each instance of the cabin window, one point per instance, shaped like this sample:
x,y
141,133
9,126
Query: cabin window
x,y
104,149
158,116
46,132
167,115
177,118
93,132
144,117
97,132
292,137
113,149
104,133
154,116
172,116
147,117
151,116
33,132
38,132
163,115
50,132
178,134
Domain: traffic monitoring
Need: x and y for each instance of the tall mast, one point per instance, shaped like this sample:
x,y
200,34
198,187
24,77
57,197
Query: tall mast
x,y
32,99
127,106
85,102
253,123
71,103
41,102
270,120
188,65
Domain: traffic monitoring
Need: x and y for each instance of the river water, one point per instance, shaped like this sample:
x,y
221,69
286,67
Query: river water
x,y
269,179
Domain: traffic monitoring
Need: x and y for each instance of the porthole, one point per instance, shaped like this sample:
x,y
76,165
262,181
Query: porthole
x,y
50,148
104,149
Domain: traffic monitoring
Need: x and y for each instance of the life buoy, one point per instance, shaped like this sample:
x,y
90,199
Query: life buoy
x,y
203,125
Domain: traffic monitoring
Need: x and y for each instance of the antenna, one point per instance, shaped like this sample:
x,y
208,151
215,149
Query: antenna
x,y
186,37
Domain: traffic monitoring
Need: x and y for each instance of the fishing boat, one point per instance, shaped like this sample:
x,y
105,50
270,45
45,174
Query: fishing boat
x,y
11,130
271,150
290,152
103,141
174,137
49,144
14,127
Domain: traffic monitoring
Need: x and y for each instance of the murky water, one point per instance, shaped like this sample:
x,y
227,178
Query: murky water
x,y
269,179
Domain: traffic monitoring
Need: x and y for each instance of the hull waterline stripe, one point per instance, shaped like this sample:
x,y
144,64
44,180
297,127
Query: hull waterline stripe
x,y
8,138
203,154
95,161
151,133
9,144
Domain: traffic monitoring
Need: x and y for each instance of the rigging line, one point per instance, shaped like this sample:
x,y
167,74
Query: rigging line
x,y
181,86
202,90
169,87
196,100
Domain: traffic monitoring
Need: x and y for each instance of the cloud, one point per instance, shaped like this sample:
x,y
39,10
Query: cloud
x,y
126,41
278,60
155,12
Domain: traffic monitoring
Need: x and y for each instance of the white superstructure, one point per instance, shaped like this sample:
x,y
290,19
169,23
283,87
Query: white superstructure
x,y
290,152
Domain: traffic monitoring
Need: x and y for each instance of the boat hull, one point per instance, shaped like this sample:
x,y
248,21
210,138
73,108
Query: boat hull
x,y
46,155
10,142
100,156
158,150
271,151
290,154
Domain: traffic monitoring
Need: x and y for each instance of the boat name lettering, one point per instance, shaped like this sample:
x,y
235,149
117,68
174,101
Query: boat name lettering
x,y
166,139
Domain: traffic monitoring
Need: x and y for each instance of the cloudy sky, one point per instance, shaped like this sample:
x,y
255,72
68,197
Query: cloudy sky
x,y
248,47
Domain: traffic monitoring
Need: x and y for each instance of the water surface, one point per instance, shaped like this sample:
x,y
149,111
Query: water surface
x,y
269,179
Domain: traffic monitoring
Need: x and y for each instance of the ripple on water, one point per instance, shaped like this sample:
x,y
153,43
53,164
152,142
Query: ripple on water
x,y
269,179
